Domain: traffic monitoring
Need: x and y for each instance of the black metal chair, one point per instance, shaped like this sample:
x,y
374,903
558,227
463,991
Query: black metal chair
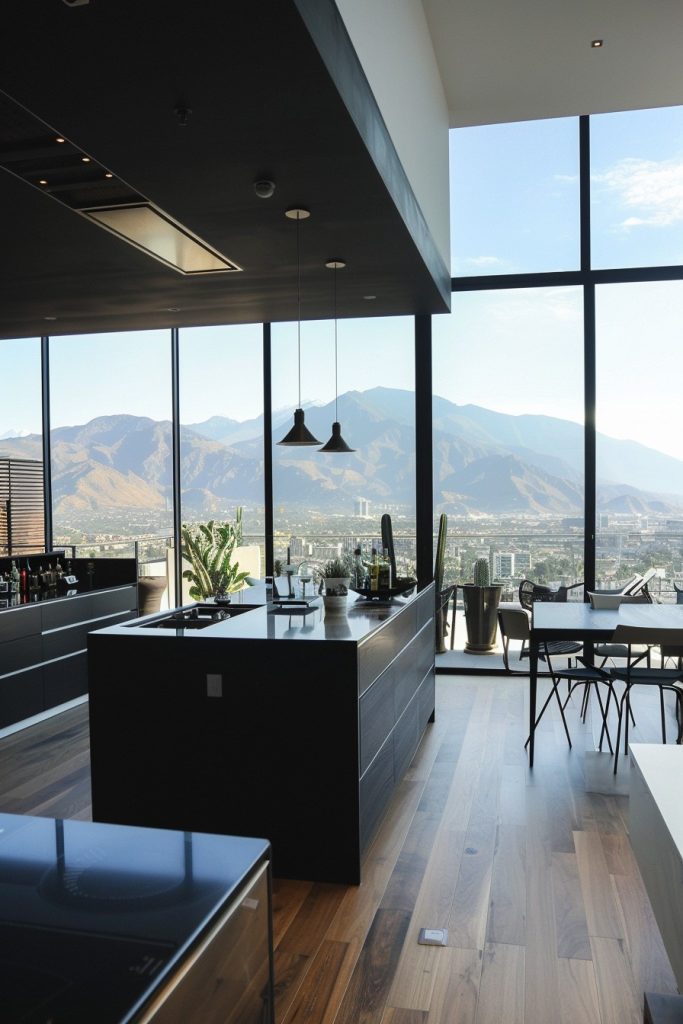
x,y
634,674
584,675
530,592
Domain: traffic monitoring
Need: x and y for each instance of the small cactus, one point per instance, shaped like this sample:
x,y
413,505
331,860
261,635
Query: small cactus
x,y
480,573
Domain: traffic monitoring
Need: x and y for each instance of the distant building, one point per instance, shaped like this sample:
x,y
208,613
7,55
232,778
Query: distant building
x,y
522,562
362,507
503,565
22,525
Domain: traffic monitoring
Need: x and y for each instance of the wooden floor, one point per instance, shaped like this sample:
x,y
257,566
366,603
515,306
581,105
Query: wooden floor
x,y
531,873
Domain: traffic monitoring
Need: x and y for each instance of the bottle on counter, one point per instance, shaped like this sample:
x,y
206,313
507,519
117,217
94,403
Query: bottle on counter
x,y
374,571
359,568
385,580
23,580
15,578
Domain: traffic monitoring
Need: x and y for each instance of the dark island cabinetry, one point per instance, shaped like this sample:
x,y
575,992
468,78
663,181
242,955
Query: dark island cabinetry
x,y
43,643
293,727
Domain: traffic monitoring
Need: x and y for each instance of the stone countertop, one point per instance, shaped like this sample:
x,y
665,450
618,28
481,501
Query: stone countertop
x,y
265,621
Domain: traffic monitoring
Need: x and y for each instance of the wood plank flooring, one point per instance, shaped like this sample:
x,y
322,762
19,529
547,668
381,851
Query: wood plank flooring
x,y
531,873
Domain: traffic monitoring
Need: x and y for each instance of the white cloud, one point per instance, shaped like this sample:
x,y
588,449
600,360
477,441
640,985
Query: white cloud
x,y
568,179
653,189
484,261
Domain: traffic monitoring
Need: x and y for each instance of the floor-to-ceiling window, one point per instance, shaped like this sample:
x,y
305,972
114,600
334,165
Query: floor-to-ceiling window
x,y
221,432
508,434
110,442
22,520
326,504
588,214
639,445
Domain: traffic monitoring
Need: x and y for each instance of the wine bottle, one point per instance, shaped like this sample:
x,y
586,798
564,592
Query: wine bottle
x,y
385,571
15,578
374,572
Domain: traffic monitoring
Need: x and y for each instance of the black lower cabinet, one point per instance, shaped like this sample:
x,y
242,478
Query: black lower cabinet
x,y
303,746
43,649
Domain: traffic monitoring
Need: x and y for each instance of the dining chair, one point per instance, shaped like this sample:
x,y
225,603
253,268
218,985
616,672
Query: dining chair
x,y
635,674
582,674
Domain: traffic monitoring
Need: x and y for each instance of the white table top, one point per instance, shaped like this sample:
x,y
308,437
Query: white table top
x,y
582,620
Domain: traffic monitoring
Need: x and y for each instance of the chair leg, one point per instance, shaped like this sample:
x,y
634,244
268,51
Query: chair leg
x,y
662,714
604,719
621,713
552,693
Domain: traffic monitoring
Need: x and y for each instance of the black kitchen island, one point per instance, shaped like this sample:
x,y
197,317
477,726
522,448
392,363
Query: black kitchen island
x,y
296,726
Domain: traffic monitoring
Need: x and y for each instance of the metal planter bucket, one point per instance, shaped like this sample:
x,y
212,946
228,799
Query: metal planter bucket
x,y
481,607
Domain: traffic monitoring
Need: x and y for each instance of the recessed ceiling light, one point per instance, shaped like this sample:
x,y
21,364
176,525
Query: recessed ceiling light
x,y
42,181
85,159
369,298
597,44
60,139
49,318
108,174
157,234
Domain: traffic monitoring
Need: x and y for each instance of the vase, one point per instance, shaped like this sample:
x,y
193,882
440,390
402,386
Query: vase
x,y
481,617
335,604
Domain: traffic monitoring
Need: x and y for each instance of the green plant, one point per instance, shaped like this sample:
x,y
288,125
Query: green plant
x,y
209,547
481,574
337,568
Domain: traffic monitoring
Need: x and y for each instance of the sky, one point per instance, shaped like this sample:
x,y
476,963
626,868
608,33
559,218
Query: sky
x,y
515,209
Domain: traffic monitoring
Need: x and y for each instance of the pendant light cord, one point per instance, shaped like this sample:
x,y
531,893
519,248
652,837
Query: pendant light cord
x,y
298,304
336,386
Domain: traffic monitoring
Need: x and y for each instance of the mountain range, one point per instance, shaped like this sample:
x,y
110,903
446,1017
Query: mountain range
x,y
485,462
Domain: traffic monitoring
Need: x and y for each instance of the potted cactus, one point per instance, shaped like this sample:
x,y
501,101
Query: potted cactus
x,y
481,599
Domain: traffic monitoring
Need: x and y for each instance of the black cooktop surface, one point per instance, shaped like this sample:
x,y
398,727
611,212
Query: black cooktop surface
x,y
92,916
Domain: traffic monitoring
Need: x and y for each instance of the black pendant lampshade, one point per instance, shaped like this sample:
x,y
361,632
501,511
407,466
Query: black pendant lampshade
x,y
336,443
299,435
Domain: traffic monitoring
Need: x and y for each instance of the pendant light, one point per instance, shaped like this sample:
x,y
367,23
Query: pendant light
x,y
299,435
336,442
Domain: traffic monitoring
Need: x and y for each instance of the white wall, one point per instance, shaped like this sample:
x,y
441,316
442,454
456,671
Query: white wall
x,y
393,44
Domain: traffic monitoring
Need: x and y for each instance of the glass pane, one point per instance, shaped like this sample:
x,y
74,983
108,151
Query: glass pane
x,y
637,188
515,198
639,445
110,443
329,504
221,434
508,437
22,516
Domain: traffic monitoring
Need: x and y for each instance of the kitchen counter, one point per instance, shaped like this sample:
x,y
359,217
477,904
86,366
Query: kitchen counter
x,y
112,924
235,728
266,621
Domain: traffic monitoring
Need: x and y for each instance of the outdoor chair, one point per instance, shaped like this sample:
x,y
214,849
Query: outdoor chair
x,y
514,625
530,592
634,674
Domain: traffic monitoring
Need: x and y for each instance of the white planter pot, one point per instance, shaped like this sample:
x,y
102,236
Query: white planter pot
x,y
335,605
337,586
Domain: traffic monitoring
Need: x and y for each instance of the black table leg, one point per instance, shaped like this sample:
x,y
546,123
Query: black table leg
x,y
533,679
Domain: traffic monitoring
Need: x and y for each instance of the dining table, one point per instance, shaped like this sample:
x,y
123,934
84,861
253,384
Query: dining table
x,y
577,620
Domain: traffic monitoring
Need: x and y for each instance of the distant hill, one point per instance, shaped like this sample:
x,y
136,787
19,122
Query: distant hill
x,y
484,462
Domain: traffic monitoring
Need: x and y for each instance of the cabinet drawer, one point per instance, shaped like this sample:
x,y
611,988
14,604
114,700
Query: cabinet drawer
x,y
16,623
376,716
85,607
65,680
380,649
376,788
406,738
21,696
18,654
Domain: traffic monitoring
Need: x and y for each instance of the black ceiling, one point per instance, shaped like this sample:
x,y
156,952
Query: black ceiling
x,y
110,76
